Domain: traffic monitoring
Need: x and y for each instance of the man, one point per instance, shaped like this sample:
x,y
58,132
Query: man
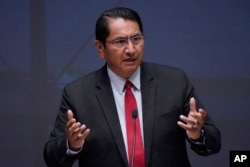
x,y
162,108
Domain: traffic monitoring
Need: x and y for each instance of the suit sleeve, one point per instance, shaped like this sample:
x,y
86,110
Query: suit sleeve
x,y
55,150
212,136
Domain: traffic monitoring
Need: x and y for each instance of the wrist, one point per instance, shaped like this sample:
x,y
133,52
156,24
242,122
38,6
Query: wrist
x,y
200,137
72,148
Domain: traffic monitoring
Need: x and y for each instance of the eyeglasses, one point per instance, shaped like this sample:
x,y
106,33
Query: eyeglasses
x,y
122,42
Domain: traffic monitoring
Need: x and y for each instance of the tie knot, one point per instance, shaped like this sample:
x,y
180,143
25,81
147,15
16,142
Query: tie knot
x,y
128,85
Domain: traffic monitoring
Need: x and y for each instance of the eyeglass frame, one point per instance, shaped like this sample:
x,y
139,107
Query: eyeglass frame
x,y
125,41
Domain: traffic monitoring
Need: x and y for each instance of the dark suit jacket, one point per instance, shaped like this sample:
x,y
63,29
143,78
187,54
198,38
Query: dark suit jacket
x,y
166,92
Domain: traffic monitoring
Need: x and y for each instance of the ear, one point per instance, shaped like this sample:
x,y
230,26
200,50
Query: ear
x,y
100,48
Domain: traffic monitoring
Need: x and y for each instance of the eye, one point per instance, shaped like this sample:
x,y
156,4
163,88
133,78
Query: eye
x,y
120,41
136,38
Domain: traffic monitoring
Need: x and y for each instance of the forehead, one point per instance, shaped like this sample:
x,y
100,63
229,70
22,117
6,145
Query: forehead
x,y
122,27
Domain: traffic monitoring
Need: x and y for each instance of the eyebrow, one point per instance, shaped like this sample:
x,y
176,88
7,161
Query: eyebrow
x,y
120,37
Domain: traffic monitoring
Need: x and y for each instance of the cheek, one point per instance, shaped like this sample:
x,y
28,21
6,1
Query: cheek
x,y
140,53
113,59
113,56
140,49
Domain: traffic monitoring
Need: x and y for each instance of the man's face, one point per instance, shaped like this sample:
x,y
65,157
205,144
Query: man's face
x,y
122,60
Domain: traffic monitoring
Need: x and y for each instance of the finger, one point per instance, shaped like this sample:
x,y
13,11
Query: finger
x,y
84,134
188,120
70,115
195,124
184,126
192,105
184,118
203,113
80,128
69,127
72,129
75,135
70,123
70,118
75,127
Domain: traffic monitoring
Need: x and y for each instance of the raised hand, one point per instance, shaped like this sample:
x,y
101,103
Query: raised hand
x,y
194,121
76,132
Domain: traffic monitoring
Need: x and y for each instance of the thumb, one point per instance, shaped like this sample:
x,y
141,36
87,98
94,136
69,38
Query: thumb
x,y
192,104
70,115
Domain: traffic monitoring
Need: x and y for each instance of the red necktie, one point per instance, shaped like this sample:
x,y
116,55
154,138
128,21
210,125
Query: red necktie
x,y
130,105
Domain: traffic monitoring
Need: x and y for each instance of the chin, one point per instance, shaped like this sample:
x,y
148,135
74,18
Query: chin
x,y
132,67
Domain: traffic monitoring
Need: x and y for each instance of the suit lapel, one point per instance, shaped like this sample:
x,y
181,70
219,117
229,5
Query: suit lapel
x,y
105,96
148,90
106,99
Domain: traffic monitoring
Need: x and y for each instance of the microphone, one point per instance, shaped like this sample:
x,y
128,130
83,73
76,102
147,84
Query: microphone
x,y
134,115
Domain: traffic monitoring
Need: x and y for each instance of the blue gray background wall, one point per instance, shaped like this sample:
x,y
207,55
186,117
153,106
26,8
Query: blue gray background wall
x,y
45,44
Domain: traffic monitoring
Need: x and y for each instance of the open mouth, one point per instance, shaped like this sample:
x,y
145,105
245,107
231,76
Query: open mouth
x,y
129,60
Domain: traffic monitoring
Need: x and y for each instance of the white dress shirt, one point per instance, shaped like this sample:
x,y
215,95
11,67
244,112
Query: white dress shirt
x,y
117,84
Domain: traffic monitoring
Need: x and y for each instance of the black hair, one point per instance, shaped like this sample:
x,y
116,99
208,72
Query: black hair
x,y
101,28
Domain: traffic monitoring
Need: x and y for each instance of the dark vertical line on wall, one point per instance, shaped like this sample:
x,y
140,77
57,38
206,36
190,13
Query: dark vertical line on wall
x,y
38,89
38,44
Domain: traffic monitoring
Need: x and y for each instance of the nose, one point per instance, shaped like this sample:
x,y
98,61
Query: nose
x,y
130,48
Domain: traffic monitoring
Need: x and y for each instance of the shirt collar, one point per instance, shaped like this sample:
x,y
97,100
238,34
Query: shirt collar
x,y
118,82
